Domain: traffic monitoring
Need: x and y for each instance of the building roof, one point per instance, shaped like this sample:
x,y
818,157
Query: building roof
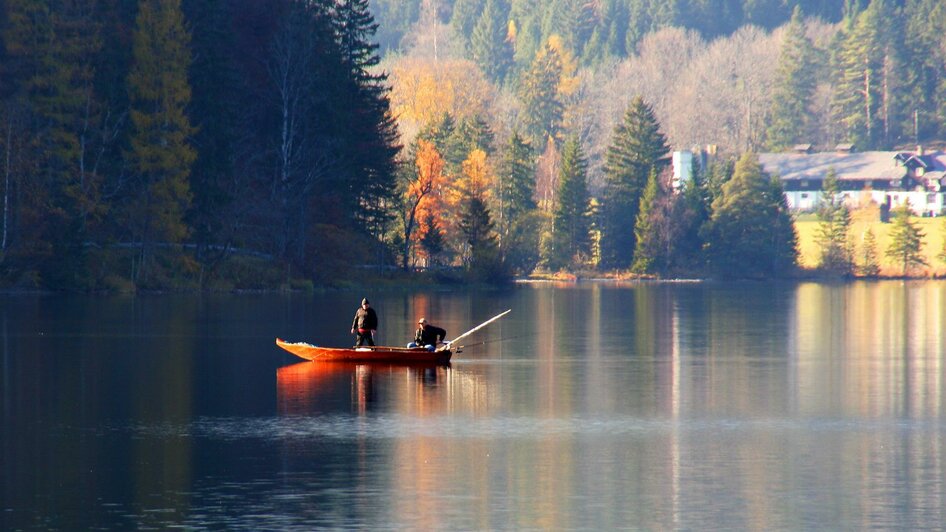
x,y
856,165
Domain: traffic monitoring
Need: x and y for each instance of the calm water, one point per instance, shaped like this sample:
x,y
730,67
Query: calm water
x,y
645,406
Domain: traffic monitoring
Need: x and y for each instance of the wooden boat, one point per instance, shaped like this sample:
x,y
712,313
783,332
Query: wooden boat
x,y
399,355
367,354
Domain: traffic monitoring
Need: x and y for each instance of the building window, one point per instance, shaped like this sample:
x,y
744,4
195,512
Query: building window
x,y
804,195
931,199
803,184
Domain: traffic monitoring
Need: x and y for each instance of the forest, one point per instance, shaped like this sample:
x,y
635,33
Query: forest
x,y
248,144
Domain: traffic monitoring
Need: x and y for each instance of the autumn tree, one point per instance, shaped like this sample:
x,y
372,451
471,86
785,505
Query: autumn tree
x,y
570,242
906,240
429,174
636,150
751,232
160,153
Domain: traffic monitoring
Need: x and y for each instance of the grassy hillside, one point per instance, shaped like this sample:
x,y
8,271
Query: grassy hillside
x,y
932,228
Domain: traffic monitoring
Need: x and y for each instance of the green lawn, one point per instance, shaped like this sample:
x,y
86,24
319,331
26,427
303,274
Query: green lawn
x,y
932,243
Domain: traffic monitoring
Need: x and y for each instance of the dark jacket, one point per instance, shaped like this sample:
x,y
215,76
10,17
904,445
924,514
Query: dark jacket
x,y
365,319
429,335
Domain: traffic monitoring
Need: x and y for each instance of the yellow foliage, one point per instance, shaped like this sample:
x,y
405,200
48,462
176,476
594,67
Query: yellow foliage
x,y
569,83
423,90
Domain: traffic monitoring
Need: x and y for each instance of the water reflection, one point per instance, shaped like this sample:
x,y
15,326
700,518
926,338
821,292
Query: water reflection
x,y
652,406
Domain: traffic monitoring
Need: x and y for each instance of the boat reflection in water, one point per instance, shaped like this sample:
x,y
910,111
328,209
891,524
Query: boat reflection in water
x,y
314,387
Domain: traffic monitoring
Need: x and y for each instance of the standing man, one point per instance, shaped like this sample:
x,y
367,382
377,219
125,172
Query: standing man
x,y
364,324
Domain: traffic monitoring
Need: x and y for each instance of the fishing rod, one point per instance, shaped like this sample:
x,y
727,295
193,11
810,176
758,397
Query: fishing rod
x,y
447,345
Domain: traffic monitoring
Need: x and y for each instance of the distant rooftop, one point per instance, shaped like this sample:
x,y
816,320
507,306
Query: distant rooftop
x,y
847,165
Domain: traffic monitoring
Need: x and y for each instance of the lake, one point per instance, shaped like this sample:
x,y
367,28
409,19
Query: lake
x,y
590,406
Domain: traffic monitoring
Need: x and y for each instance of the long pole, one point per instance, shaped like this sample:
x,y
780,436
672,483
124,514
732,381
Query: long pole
x,y
473,330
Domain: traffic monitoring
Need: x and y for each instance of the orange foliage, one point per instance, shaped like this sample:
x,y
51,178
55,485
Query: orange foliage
x,y
430,178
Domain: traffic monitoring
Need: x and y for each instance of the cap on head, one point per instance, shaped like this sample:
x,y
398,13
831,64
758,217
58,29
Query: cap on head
x,y
365,301
422,321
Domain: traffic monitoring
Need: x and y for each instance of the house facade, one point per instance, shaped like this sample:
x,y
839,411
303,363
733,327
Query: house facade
x,y
887,178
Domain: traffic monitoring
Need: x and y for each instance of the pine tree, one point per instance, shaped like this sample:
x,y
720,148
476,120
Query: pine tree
x,y
647,241
835,222
160,153
906,240
372,136
465,15
488,43
924,79
637,148
214,112
477,227
541,101
516,187
795,88
870,263
571,218
432,240
866,94
751,232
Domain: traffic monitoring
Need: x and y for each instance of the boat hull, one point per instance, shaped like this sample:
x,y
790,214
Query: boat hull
x,y
405,355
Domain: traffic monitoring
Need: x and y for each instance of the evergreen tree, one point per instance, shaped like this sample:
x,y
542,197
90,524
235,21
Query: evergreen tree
x,y
866,93
571,218
432,241
835,222
160,153
751,232
637,148
372,139
795,88
488,43
870,263
465,15
541,102
906,240
924,78
477,227
516,194
54,49
214,112
647,240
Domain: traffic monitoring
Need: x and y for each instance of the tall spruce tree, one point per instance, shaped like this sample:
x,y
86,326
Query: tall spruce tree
x,y
648,243
870,262
516,186
571,217
160,152
751,232
541,101
866,99
637,148
373,139
488,44
795,88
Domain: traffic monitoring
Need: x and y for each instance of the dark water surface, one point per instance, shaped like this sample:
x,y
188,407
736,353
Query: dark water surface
x,y
590,406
